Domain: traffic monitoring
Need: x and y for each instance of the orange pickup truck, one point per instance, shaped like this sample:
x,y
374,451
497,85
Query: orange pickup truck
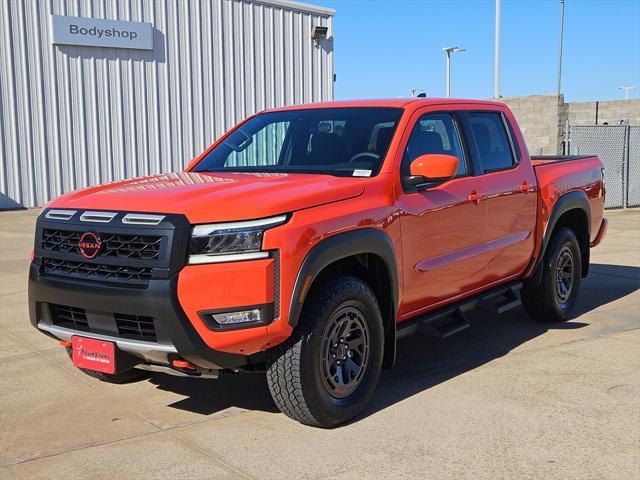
x,y
307,240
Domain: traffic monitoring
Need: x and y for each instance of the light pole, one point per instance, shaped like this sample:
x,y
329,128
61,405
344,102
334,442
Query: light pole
x,y
626,91
496,66
448,51
561,38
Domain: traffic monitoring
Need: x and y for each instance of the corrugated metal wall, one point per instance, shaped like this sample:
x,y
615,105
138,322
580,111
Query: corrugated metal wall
x,y
74,116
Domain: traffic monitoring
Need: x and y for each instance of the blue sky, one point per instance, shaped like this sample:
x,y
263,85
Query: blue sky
x,y
385,47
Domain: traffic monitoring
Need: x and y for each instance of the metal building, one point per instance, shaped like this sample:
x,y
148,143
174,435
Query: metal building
x,y
74,114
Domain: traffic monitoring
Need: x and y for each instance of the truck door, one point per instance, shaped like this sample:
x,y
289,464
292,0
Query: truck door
x,y
444,251
511,198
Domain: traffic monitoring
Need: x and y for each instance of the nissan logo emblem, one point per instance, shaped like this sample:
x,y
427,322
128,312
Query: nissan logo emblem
x,y
89,245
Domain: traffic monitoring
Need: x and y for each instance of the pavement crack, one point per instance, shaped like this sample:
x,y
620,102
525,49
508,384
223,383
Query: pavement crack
x,y
215,459
76,449
571,342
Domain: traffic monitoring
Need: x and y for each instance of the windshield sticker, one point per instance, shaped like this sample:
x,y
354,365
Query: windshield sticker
x,y
362,173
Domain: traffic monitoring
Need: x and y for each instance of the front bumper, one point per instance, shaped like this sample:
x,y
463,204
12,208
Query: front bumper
x,y
140,279
176,336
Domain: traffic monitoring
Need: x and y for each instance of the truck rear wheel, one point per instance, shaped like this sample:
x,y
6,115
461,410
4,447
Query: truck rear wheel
x,y
553,299
326,373
131,375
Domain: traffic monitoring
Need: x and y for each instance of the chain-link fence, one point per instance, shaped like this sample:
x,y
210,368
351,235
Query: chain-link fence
x,y
633,175
618,146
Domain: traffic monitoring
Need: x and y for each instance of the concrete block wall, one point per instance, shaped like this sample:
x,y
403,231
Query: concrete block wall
x,y
611,112
540,118
543,118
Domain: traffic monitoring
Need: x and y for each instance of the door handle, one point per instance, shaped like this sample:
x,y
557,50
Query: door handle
x,y
524,187
474,197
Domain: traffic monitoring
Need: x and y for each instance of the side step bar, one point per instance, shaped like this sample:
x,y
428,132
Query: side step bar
x,y
451,319
500,302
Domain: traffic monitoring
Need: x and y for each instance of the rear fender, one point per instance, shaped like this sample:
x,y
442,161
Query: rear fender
x,y
576,200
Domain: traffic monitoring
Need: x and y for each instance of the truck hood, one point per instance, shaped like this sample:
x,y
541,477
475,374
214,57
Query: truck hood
x,y
215,197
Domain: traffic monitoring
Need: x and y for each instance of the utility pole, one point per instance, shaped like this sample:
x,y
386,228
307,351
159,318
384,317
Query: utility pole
x,y
496,67
626,91
448,51
561,38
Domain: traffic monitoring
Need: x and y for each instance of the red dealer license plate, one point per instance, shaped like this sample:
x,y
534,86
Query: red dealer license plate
x,y
93,354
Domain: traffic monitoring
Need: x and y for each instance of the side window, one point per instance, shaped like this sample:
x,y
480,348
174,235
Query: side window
x,y
492,141
434,133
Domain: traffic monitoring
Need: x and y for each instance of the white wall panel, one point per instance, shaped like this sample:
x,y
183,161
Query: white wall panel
x,y
75,116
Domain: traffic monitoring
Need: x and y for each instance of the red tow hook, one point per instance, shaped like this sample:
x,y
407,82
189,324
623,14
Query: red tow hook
x,y
65,343
183,364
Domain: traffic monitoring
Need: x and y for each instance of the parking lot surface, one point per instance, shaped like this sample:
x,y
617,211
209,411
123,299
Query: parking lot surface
x,y
507,398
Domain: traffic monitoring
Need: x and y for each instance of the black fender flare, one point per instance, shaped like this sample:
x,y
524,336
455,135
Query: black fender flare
x,y
338,247
576,200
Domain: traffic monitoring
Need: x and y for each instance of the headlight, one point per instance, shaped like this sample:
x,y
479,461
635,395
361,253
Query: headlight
x,y
228,242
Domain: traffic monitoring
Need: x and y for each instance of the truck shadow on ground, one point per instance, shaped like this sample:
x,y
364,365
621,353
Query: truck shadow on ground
x,y
423,362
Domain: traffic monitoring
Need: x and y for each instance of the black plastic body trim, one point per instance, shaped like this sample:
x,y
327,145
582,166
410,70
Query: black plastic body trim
x,y
366,240
576,200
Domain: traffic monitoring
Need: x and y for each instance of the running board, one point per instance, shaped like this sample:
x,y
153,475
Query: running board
x,y
500,302
451,319
450,325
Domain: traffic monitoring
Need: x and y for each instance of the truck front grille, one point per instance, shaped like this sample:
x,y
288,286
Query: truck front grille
x,y
96,271
69,317
143,247
134,327
121,249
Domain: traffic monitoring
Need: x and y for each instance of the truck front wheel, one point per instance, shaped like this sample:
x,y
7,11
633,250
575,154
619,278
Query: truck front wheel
x,y
554,297
326,373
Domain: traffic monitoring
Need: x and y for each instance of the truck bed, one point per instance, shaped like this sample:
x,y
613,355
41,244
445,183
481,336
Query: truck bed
x,y
558,175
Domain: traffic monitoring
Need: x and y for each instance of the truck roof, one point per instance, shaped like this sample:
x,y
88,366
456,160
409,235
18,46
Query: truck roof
x,y
386,102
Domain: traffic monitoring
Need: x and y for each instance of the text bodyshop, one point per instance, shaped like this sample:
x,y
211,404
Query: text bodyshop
x,y
98,32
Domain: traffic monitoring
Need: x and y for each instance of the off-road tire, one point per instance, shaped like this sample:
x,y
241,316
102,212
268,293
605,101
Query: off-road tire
x,y
131,375
542,301
295,367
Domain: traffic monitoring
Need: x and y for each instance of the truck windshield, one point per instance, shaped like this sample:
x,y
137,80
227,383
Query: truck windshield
x,y
334,141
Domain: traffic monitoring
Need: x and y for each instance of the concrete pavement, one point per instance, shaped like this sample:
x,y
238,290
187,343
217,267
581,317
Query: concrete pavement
x,y
507,398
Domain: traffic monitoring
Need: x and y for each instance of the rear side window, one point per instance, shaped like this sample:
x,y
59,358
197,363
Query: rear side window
x,y
491,138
